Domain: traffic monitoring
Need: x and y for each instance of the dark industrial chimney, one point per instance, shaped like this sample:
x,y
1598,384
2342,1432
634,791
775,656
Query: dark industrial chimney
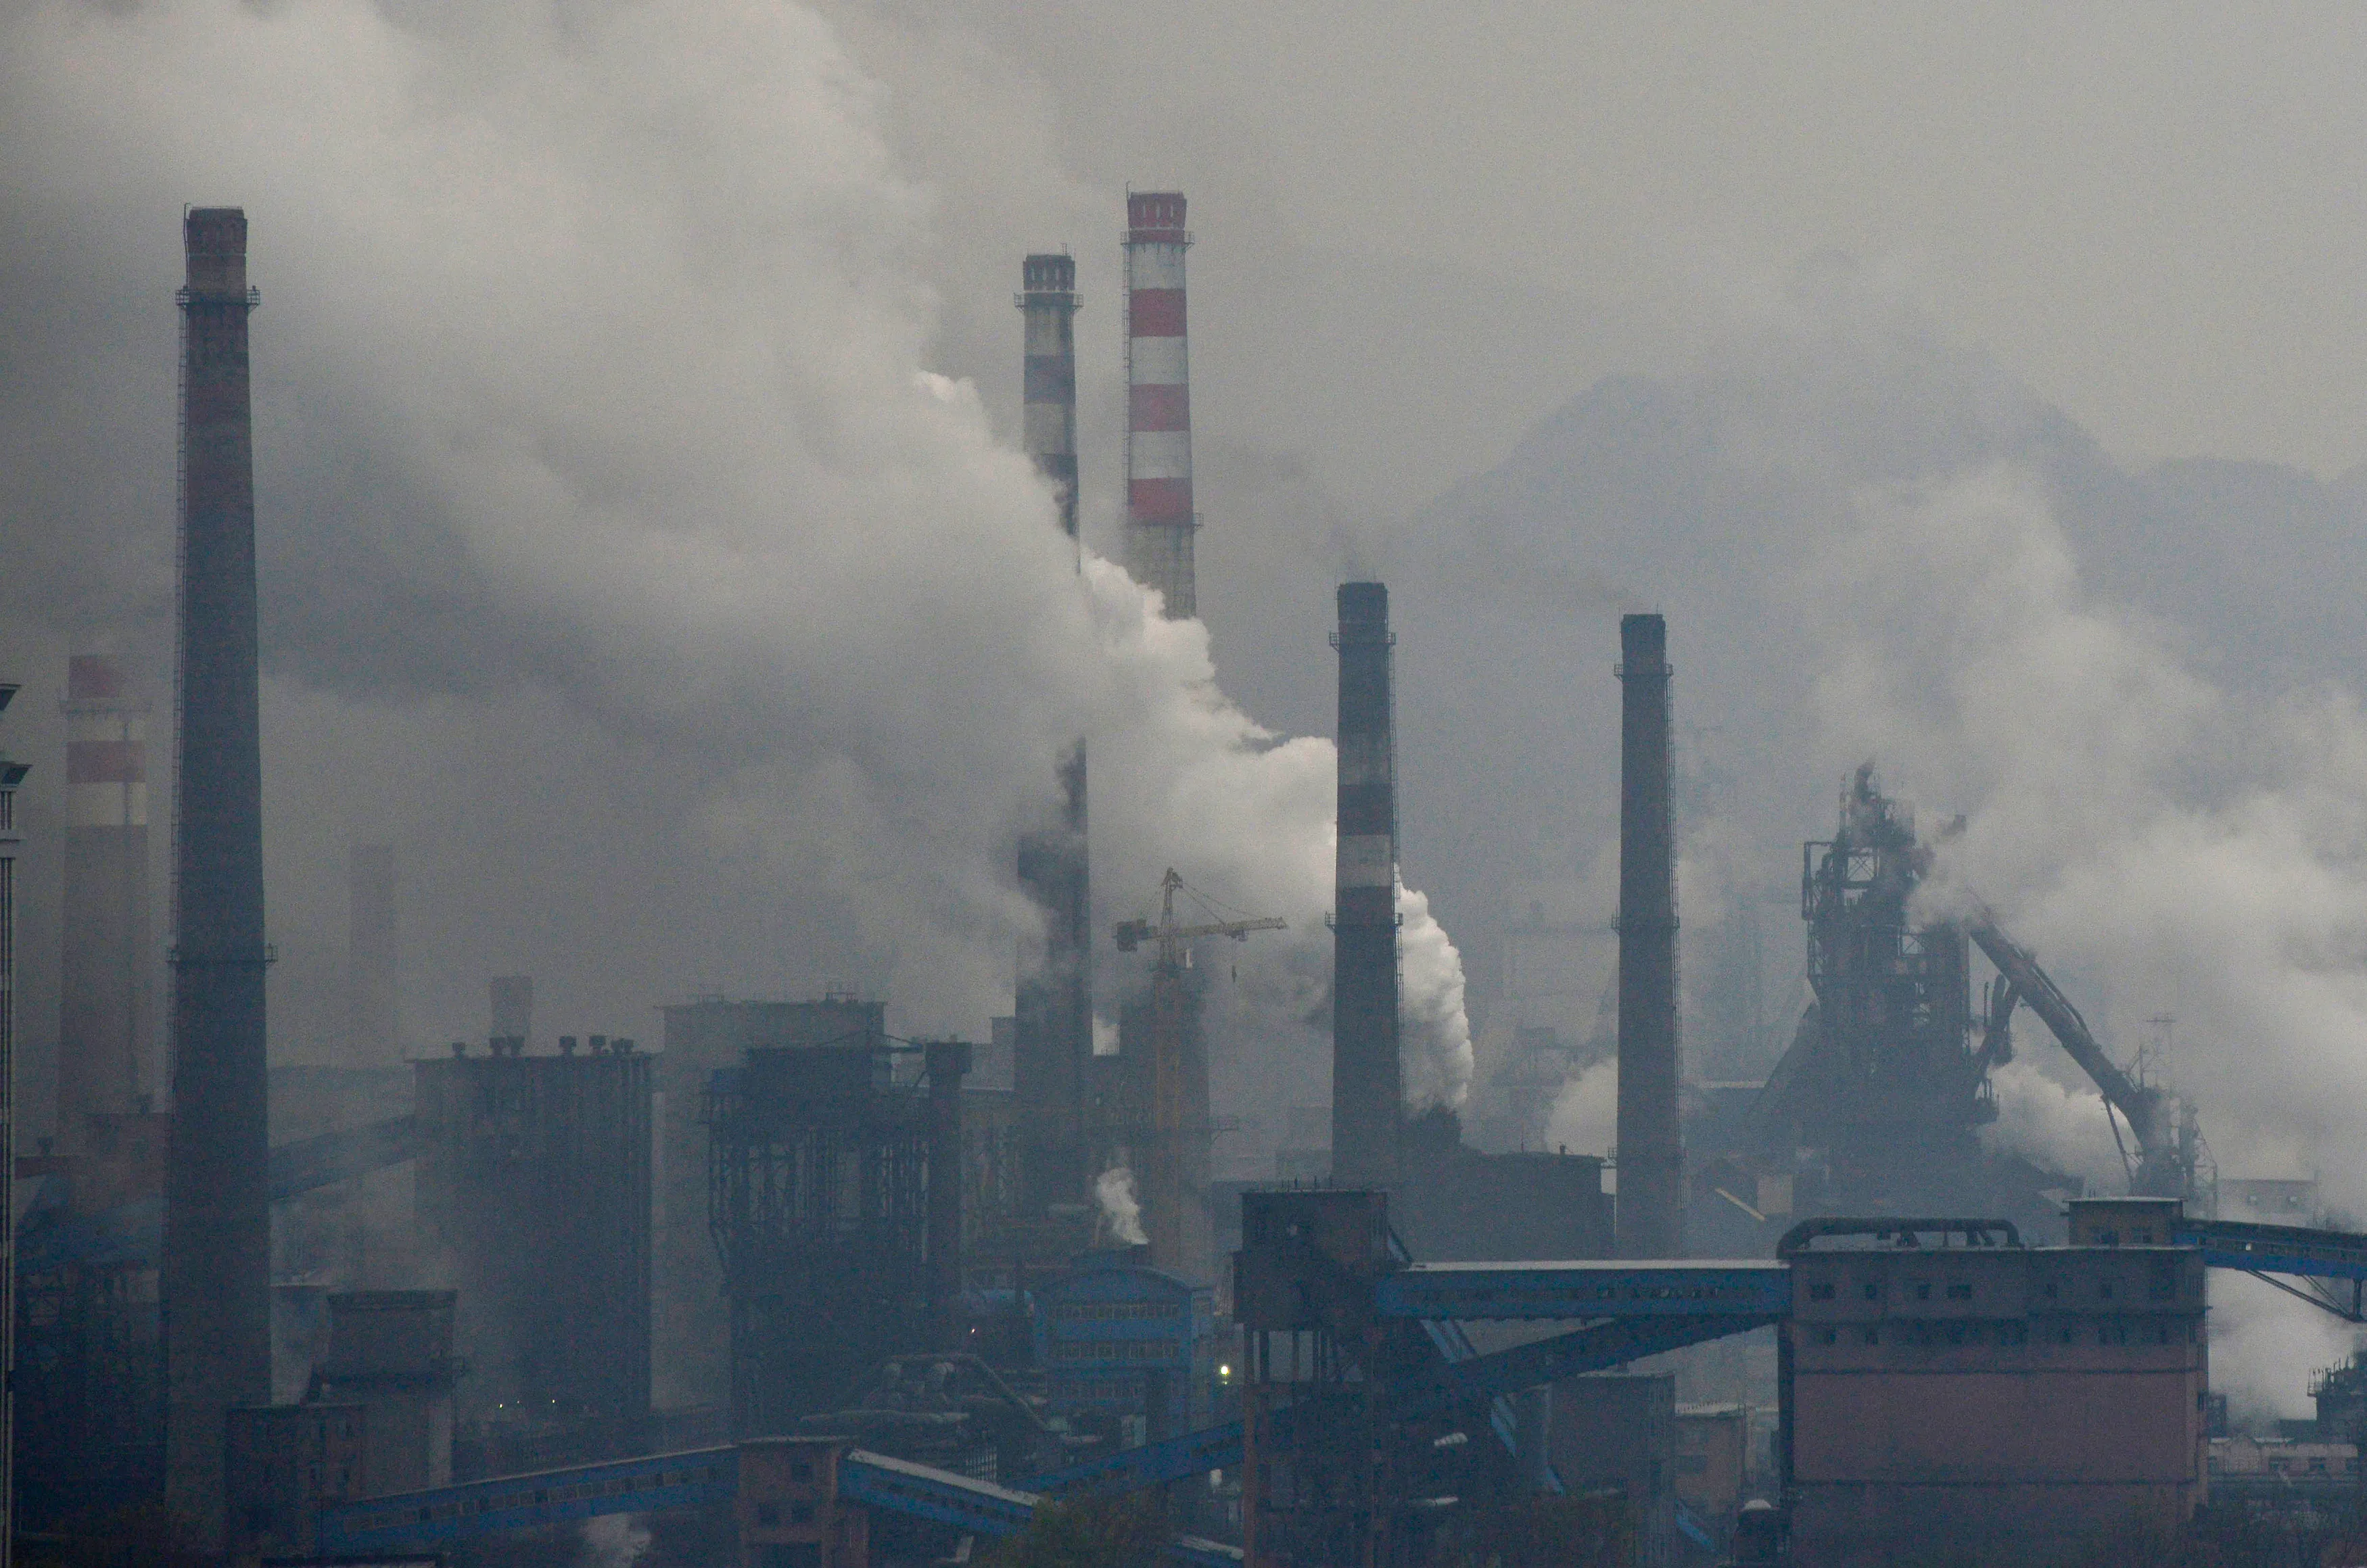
x,y
217,1273
1650,1218
103,1022
1052,1027
1367,1079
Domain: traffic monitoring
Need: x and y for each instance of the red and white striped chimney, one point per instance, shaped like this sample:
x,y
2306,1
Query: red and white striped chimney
x,y
103,1024
1158,516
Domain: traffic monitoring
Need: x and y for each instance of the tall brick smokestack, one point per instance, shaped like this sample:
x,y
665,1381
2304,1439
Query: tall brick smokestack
x,y
1052,1030
1650,1219
1367,1077
216,1272
11,775
1158,516
102,1006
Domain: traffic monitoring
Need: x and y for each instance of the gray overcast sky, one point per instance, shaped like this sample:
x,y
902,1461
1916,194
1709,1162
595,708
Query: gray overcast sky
x,y
2148,212
619,568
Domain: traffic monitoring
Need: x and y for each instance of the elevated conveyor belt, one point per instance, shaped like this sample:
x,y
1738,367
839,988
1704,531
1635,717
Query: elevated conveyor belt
x,y
1591,1348
1474,1291
307,1165
2274,1249
2314,1257
508,1504
700,1477
133,1232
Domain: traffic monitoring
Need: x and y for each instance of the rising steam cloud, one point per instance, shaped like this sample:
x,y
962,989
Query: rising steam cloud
x,y
595,366
1121,1207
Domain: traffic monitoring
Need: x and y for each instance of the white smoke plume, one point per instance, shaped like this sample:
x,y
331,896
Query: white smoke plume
x,y
613,1541
1586,1111
1121,1216
1437,1033
604,474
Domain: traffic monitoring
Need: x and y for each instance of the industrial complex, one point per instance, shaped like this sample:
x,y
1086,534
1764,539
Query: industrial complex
x,y
796,1291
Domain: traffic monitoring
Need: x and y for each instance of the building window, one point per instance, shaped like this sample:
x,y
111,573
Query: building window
x,y
1960,1292
1923,1291
1872,1290
1822,1290
1873,1334
1827,1337
2105,1290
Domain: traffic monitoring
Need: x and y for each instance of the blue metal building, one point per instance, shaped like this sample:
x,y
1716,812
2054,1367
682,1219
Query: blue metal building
x,y
1122,1342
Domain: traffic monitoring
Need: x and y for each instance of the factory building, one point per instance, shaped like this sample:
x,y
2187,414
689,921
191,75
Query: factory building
x,y
1613,1432
534,1174
834,1176
1960,1388
216,1270
282,1464
1456,1204
692,1322
1126,1351
392,1356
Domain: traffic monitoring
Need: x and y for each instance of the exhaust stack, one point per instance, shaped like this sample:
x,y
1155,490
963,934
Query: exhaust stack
x,y
1367,1077
1052,1029
217,1267
1649,1218
1159,521
103,1023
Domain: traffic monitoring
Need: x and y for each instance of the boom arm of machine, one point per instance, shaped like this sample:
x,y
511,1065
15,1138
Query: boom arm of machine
x,y
2141,1105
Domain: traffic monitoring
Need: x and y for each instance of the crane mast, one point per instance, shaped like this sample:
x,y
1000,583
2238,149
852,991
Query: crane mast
x,y
1175,1167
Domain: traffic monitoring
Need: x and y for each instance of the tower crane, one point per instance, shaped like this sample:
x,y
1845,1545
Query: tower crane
x,y
1175,1177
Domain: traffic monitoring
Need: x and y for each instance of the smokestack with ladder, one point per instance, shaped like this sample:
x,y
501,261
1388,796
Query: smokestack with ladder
x,y
1367,1077
11,775
1158,516
217,1264
1649,1216
103,977
1052,1029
